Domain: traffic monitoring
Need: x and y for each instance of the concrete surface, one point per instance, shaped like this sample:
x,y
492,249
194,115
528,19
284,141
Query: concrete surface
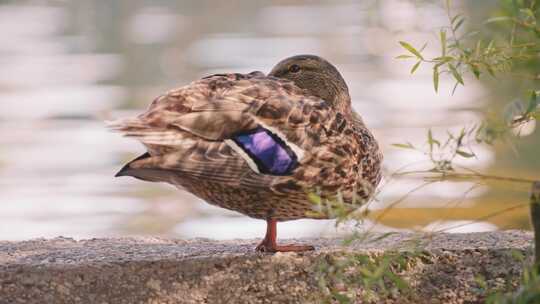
x,y
156,270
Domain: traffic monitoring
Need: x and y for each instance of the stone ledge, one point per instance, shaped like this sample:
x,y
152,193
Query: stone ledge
x,y
156,270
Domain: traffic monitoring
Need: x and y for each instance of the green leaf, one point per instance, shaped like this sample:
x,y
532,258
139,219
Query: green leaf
x,y
314,198
432,140
408,145
436,78
465,154
400,283
489,46
342,299
411,49
480,281
490,71
455,73
366,272
517,255
533,103
443,42
455,18
475,70
513,110
528,12
444,59
382,236
497,19
404,57
459,23
469,34
455,88
461,136
415,67
478,48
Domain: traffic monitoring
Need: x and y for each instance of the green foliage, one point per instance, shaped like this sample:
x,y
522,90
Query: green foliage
x,y
507,51
353,277
504,46
339,207
474,52
368,278
527,293
442,153
511,52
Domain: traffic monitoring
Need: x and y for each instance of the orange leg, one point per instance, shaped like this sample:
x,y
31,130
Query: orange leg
x,y
268,244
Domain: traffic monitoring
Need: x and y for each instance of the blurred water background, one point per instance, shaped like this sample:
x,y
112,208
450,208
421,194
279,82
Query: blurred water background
x,y
65,66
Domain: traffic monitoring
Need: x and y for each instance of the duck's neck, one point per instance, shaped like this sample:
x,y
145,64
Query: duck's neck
x,y
342,104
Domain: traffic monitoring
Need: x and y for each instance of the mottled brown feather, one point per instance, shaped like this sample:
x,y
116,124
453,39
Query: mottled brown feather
x,y
185,132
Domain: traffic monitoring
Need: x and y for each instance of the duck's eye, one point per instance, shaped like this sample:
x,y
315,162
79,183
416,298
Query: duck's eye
x,y
295,68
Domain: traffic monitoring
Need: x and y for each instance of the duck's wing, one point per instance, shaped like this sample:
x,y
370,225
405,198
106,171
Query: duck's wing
x,y
228,129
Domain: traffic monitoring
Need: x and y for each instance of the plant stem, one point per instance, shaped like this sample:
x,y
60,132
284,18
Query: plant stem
x,y
535,220
445,175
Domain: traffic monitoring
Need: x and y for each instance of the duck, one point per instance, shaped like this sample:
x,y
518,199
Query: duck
x,y
260,144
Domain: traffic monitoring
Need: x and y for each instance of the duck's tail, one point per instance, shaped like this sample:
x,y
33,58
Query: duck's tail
x,y
148,135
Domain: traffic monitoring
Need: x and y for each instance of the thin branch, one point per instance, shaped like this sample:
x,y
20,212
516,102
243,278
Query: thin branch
x,y
485,217
454,175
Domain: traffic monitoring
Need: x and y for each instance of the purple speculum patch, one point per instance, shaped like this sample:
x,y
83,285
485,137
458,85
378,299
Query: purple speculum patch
x,y
269,152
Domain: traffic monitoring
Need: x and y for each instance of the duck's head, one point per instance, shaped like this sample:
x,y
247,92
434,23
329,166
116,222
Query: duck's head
x,y
316,75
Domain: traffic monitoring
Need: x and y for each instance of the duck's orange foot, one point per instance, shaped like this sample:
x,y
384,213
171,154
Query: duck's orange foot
x,y
268,244
265,247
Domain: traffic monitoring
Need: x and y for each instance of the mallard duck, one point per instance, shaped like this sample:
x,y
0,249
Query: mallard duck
x,y
258,144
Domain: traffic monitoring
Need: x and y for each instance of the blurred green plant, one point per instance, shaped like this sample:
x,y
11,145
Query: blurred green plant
x,y
506,45
527,293
511,51
467,52
337,207
368,278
